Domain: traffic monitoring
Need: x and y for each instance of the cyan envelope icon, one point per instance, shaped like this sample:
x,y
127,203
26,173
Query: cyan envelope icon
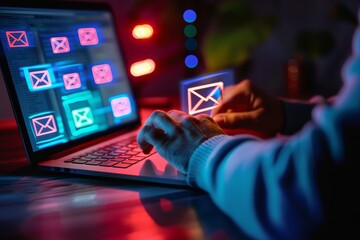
x,y
82,117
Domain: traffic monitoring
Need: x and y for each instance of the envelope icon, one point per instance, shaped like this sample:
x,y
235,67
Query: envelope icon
x,y
60,45
40,79
44,125
102,73
205,97
121,106
17,39
88,36
71,81
82,117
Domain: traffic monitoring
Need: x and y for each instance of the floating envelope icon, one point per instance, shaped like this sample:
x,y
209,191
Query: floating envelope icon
x,y
60,45
44,125
205,97
71,81
17,39
82,117
102,73
88,36
40,79
121,106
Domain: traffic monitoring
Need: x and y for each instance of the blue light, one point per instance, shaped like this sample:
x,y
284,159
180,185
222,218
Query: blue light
x,y
189,16
191,61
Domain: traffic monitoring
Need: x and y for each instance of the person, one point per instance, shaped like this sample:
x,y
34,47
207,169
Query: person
x,y
300,184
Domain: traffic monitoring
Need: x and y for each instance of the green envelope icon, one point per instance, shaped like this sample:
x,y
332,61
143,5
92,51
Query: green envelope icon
x,y
82,117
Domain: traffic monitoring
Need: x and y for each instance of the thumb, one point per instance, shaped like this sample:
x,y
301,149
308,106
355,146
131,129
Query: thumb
x,y
245,120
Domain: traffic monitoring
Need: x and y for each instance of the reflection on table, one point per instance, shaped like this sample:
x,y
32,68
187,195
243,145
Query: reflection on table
x,y
39,205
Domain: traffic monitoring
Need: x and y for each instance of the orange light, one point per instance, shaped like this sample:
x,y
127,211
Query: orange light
x,y
143,67
142,31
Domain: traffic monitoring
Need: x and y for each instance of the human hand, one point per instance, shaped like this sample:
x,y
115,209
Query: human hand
x,y
176,135
244,106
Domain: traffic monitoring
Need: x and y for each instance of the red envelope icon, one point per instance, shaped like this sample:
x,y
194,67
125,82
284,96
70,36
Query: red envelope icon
x,y
17,39
40,79
44,125
71,81
102,73
88,36
60,45
204,97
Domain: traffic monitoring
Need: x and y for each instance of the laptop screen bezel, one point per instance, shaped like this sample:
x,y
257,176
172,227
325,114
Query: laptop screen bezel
x,y
35,157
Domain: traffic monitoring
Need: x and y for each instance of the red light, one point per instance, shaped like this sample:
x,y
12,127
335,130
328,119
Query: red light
x,y
142,31
143,67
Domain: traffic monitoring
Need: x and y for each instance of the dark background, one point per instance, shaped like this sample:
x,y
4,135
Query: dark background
x,y
291,48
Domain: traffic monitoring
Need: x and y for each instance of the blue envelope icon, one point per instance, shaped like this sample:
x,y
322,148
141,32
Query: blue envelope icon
x,y
82,117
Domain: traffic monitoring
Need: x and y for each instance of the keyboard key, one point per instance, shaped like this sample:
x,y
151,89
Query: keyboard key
x,y
94,162
108,157
70,160
79,161
109,163
136,158
122,165
125,156
114,154
132,153
130,161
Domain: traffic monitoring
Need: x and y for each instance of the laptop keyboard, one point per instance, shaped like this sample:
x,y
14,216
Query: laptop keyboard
x,y
121,154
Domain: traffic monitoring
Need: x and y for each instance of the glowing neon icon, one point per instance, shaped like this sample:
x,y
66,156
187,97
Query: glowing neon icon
x,y
44,125
71,81
121,106
102,73
205,97
88,36
17,39
40,79
60,45
82,117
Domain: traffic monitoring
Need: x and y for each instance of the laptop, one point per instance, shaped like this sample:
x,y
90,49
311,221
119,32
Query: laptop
x,y
71,94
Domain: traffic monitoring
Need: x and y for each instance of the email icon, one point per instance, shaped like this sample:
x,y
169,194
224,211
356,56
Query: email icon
x,y
121,106
17,39
40,79
82,117
205,97
60,45
44,125
71,81
88,36
102,73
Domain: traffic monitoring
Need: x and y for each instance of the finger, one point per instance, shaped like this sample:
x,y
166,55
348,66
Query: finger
x,y
233,96
163,121
247,120
150,136
177,115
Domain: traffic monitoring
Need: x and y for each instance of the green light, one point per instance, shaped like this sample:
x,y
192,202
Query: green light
x,y
190,31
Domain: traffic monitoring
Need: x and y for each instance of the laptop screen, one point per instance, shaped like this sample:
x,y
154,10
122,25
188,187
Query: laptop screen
x,y
68,75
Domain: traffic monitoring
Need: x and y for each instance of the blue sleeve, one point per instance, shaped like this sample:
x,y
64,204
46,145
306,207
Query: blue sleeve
x,y
271,188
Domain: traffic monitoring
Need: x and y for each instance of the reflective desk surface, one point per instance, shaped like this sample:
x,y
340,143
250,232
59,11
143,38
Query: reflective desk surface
x,y
39,205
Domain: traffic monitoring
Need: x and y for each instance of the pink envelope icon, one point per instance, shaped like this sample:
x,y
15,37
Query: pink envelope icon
x,y
17,39
88,36
71,81
40,79
102,73
121,106
60,45
44,125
